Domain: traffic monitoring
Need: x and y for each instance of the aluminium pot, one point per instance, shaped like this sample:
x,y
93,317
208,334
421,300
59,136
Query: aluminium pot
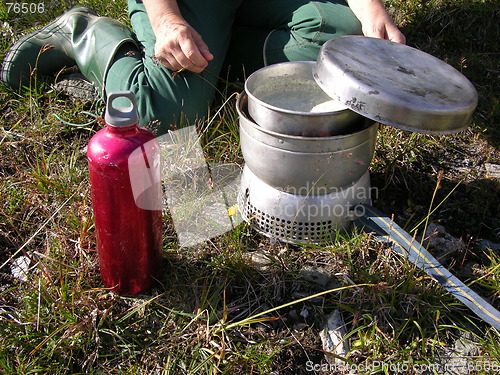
x,y
286,99
306,165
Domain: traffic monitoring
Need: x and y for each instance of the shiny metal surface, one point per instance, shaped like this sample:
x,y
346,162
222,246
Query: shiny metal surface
x,y
281,97
395,84
306,165
299,218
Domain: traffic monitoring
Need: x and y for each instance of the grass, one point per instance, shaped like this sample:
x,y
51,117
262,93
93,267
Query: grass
x,y
216,311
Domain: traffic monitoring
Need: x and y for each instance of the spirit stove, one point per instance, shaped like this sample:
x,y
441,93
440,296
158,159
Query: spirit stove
x,y
308,130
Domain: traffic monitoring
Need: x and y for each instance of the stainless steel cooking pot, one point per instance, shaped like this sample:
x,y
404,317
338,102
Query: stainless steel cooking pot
x,y
286,99
306,165
299,170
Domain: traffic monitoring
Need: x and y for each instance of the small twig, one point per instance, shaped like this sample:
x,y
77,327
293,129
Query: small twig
x,y
38,307
174,74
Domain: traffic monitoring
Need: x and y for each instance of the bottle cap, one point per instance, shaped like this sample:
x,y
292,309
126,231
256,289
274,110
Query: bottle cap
x,y
121,116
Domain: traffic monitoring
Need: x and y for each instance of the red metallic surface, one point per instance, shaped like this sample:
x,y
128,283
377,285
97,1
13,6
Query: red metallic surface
x,y
128,237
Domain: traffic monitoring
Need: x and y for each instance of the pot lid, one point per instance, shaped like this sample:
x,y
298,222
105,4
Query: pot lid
x,y
395,84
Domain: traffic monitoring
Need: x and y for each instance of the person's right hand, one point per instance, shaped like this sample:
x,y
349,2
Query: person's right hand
x,y
179,46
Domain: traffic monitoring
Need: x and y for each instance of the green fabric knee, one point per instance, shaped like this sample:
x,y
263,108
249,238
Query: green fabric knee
x,y
162,98
311,26
266,32
269,32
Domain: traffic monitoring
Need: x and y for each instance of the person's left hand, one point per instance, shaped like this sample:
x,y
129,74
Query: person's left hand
x,y
380,25
375,20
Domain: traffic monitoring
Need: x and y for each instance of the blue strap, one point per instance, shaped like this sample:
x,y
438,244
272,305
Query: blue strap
x,y
374,221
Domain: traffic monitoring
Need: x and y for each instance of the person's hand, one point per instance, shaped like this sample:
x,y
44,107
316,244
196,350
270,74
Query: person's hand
x,y
179,46
378,24
375,20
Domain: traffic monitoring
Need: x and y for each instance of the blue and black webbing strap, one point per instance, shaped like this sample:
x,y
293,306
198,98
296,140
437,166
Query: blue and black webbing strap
x,y
373,221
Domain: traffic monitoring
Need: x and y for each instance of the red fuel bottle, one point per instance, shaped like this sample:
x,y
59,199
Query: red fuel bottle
x,y
124,168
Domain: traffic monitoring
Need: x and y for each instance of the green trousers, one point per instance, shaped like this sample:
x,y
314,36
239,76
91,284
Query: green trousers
x,y
243,35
